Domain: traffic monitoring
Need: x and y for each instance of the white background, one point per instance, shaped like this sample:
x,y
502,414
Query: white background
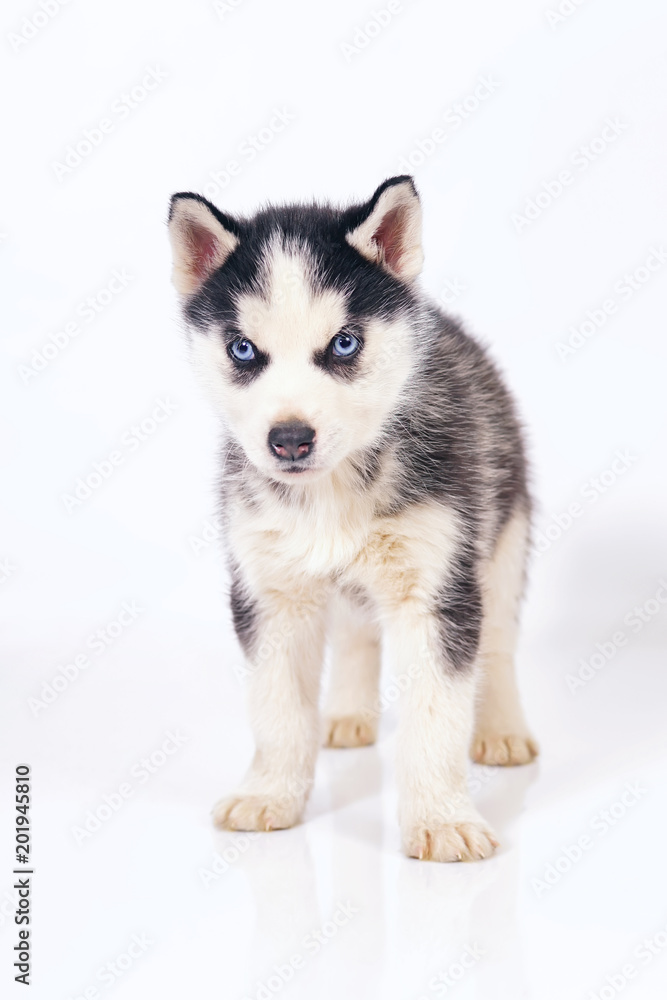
x,y
66,573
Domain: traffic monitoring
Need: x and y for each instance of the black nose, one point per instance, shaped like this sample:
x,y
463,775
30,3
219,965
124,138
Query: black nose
x,y
291,442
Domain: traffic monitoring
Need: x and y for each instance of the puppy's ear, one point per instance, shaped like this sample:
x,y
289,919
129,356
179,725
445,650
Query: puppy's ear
x,y
202,238
387,230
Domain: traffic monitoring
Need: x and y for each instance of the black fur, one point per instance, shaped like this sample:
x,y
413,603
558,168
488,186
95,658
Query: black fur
x,y
321,230
341,367
244,372
244,611
462,442
459,611
456,438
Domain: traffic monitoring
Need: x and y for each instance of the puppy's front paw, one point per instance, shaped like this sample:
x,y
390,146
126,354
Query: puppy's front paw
x,y
350,731
503,750
465,840
257,812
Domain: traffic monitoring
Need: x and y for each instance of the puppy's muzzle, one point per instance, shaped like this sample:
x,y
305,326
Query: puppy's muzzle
x,y
291,442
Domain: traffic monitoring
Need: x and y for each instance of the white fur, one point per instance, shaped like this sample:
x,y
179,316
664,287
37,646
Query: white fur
x,y
437,817
398,211
283,708
398,561
291,324
501,733
349,716
332,549
191,227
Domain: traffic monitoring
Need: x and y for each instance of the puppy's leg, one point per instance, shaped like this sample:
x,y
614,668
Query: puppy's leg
x,y
283,638
437,645
350,716
501,733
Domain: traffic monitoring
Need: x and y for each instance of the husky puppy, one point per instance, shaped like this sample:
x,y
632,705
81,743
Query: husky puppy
x,y
374,482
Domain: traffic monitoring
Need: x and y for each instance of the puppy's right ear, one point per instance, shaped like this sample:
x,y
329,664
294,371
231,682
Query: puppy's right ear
x,y
202,238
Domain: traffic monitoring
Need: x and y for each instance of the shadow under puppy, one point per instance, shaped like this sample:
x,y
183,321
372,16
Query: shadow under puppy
x,y
374,482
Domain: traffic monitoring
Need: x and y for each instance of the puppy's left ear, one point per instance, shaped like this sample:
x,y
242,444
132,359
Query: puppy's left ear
x,y
387,230
202,238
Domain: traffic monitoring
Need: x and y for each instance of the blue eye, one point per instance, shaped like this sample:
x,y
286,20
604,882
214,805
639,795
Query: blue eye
x,y
242,350
344,345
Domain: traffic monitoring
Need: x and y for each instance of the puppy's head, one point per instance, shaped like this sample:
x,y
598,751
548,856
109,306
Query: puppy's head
x,y
300,321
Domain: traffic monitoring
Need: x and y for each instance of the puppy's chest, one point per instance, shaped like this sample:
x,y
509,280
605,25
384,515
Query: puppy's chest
x,y
345,542
319,538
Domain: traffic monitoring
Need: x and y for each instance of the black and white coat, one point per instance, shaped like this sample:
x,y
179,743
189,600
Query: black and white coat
x,y
374,487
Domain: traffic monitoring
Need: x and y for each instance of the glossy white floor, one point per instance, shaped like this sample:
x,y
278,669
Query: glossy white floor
x,y
154,902
121,688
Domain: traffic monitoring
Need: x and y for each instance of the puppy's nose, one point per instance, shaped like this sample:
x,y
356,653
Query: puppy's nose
x,y
291,442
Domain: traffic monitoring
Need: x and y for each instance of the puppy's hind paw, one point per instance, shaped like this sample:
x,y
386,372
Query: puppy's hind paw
x,y
503,750
350,731
257,812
